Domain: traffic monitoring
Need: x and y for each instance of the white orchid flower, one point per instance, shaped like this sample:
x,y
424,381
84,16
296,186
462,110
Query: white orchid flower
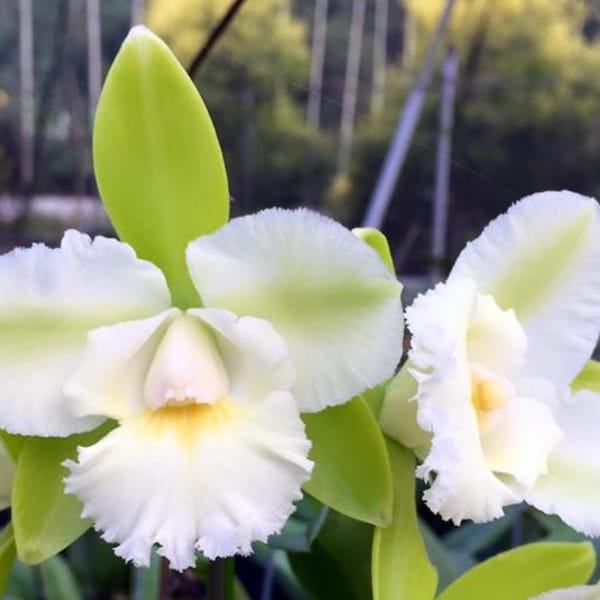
x,y
494,350
209,452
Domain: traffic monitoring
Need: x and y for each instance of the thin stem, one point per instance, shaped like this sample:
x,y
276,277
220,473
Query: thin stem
x,y
215,34
220,585
163,591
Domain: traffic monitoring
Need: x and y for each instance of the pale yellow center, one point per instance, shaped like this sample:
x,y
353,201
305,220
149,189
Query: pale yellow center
x,y
189,422
488,394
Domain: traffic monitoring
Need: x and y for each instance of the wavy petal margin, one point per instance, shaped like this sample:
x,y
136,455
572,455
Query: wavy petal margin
x,y
208,478
328,294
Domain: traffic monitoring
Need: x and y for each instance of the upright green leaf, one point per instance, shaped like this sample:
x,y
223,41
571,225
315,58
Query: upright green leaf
x,y
401,568
157,158
59,582
352,471
146,581
588,378
45,519
7,555
524,572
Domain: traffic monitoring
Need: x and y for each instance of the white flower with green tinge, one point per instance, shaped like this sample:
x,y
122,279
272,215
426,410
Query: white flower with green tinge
x,y
209,452
494,350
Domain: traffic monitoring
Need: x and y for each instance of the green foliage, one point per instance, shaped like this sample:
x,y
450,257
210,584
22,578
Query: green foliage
x,y
524,572
336,566
526,118
378,242
59,582
8,553
401,568
352,472
589,378
45,519
157,159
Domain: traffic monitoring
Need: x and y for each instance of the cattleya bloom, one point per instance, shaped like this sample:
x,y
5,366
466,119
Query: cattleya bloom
x,y
209,452
484,398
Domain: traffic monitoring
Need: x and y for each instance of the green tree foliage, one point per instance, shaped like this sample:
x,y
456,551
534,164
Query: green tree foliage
x,y
248,85
526,116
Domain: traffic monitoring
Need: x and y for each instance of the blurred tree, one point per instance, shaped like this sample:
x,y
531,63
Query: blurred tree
x,y
272,158
527,117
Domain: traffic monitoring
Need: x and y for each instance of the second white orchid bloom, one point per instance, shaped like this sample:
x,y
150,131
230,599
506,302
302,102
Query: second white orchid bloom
x,y
209,452
494,350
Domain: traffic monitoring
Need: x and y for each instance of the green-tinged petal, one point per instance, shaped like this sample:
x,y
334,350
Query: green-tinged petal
x,y
352,472
328,293
571,487
401,568
44,518
50,300
8,554
157,158
541,260
398,417
588,378
579,592
524,572
378,242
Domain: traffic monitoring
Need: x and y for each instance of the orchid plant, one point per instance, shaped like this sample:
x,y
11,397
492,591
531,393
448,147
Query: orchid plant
x,y
182,388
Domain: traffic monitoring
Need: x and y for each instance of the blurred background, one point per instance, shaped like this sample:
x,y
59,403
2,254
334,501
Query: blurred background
x,y
306,96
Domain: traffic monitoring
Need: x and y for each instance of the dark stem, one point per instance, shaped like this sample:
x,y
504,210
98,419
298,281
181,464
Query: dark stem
x,y
215,34
163,589
220,585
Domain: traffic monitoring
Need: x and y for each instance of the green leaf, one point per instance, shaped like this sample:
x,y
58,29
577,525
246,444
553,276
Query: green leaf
x,y
449,563
336,566
401,568
157,159
13,443
352,472
378,242
8,554
146,582
524,572
44,518
302,527
589,378
59,582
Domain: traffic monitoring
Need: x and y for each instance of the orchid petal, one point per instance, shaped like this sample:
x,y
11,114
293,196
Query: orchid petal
x,y
579,592
111,377
50,300
541,260
519,440
329,294
198,477
464,486
571,487
255,355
